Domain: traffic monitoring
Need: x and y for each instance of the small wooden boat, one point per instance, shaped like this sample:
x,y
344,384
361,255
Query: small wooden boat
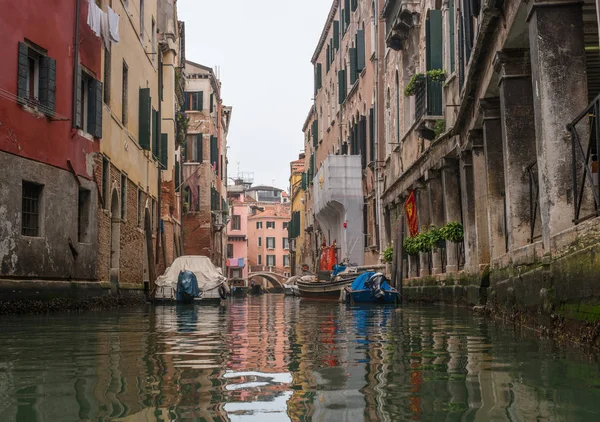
x,y
316,289
371,287
290,288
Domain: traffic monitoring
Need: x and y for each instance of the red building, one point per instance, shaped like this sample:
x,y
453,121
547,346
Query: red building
x,y
48,197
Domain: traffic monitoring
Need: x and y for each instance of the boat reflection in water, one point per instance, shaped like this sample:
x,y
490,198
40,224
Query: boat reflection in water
x,y
272,358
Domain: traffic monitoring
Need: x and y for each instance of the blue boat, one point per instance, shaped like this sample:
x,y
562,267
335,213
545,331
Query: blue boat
x,y
371,287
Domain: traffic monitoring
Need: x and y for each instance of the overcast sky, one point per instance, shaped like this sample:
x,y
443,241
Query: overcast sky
x,y
263,50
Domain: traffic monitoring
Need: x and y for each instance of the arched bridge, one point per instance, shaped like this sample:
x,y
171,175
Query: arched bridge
x,y
276,279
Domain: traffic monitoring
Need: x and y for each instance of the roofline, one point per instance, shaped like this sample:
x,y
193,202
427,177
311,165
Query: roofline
x,y
310,113
214,81
328,23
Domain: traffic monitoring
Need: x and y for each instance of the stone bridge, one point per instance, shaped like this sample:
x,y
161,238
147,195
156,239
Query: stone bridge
x,y
276,279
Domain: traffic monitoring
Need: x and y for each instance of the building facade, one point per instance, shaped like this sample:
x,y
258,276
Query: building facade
x,y
296,226
237,239
204,167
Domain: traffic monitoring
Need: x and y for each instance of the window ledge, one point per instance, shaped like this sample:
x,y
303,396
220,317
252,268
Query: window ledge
x,y
85,135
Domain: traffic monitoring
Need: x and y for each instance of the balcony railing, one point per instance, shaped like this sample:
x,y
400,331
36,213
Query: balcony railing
x,y
428,98
585,138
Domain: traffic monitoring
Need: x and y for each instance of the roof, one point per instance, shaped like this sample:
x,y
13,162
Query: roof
x,y
263,187
308,118
324,37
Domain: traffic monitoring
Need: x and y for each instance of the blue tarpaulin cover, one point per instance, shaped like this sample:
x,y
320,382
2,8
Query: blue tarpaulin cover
x,y
359,283
338,269
187,286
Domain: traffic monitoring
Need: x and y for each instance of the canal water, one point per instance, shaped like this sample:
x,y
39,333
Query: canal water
x,y
273,358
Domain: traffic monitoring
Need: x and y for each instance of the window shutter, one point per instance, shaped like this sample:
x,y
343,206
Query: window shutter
x,y
212,102
154,133
315,133
346,15
199,156
164,150
434,40
95,108
78,98
213,150
303,181
452,47
23,71
48,82
327,59
342,86
353,70
200,101
360,50
336,34
371,135
319,75
475,7
354,5
187,101
177,177
144,119
363,141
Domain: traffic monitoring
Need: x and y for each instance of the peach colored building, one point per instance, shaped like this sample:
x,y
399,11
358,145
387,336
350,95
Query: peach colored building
x,y
237,243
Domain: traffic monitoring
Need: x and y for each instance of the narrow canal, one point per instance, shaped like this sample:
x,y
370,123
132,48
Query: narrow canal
x,y
273,358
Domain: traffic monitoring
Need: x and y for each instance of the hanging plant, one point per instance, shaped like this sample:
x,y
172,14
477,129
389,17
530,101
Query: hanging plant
x,y
411,87
453,232
436,75
422,242
434,238
182,123
388,254
409,246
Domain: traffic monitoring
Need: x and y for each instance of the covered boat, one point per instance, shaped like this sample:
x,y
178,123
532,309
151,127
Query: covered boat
x,y
192,277
311,287
290,288
371,287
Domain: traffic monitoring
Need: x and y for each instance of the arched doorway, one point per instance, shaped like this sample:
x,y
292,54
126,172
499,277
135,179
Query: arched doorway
x,y
115,238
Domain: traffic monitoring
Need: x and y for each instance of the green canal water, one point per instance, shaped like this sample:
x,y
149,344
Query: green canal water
x,y
273,358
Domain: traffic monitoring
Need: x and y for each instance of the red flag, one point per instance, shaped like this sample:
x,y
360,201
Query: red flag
x,y
410,206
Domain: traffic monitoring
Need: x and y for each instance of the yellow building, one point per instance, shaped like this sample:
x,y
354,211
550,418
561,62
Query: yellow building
x,y
296,231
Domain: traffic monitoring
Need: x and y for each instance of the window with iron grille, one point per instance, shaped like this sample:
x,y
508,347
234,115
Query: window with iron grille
x,y
236,222
31,209
140,210
105,180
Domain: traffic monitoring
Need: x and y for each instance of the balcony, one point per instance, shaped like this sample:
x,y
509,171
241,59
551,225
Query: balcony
x,y
338,200
399,21
428,98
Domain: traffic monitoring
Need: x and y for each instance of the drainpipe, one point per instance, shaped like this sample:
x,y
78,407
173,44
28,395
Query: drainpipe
x,y
76,63
158,137
377,128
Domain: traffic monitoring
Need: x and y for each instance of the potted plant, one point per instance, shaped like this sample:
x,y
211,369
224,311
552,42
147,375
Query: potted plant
x,y
387,255
435,238
453,232
409,246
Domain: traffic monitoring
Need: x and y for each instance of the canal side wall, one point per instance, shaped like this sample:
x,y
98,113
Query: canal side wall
x,y
557,292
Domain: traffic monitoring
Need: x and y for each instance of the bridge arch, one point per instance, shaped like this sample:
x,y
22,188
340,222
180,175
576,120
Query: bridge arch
x,y
276,280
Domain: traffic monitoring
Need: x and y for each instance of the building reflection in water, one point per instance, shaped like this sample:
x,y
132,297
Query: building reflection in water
x,y
274,358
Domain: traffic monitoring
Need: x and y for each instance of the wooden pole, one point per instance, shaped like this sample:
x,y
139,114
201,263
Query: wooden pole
x,y
150,252
399,252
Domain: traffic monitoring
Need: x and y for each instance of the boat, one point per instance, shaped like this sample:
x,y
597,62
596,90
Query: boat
x,y
290,287
311,287
371,287
191,279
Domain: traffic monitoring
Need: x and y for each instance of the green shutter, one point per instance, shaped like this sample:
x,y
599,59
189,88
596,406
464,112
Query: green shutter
x,y
78,123
319,76
48,84
95,109
154,133
346,15
353,69
315,133
303,181
342,86
23,72
164,150
187,106
177,176
214,151
200,101
144,118
199,156
327,60
336,34
212,102
360,50
372,135
452,48
434,40
354,5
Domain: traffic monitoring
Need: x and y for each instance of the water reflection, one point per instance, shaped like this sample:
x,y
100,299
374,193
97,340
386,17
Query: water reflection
x,y
275,358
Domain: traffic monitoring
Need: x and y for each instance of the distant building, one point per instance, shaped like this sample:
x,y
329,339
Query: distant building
x,y
265,194
298,253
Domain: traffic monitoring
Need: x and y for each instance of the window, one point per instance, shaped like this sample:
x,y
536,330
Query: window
x,y
229,250
286,243
123,196
236,222
31,209
259,260
89,114
271,262
270,224
260,241
140,215
259,225
142,19
83,216
105,180
194,101
36,78
236,273
285,225
153,215
106,76
286,260
124,95
270,243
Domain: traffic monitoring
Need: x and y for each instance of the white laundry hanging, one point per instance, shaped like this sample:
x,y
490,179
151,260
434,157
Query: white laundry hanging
x,y
94,18
113,24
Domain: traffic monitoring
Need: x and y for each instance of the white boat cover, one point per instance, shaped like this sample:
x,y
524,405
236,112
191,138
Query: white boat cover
x,y
209,277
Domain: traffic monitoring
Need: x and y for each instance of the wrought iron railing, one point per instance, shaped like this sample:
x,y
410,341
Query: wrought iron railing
x,y
585,138
534,200
460,255
443,257
428,98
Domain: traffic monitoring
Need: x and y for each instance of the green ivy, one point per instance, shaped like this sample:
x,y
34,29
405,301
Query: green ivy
x,y
409,246
453,232
436,75
388,254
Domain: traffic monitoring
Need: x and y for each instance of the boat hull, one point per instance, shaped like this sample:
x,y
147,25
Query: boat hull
x,y
364,296
326,290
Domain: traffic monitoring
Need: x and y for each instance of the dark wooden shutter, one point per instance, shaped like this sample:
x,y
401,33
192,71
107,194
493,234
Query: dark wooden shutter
x,y
200,101
164,150
475,8
451,31
214,151
48,83
177,176
320,75
23,72
328,59
144,118
187,101
342,86
303,181
363,141
434,40
336,34
354,4
360,50
346,15
315,133
371,135
468,29
154,133
212,102
78,99
353,69
199,151
95,108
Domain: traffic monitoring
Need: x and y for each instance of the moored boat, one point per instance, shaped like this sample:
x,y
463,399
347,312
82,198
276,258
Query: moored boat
x,y
371,287
310,287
